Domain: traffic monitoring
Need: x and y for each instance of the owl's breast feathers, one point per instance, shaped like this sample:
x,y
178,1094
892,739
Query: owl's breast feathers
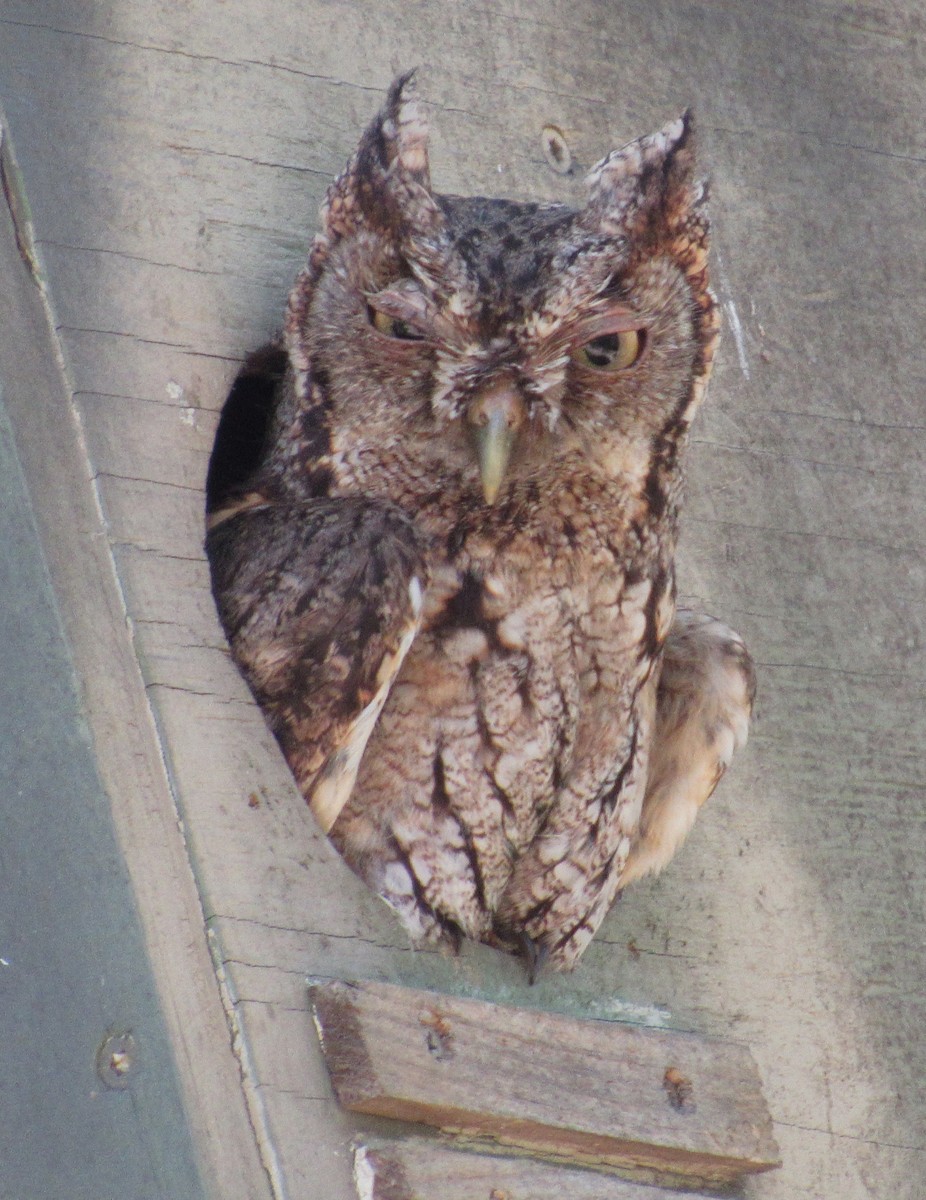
x,y
532,677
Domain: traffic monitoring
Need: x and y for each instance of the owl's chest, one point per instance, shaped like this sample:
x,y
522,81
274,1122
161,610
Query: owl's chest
x,y
522,677
522,672
583,588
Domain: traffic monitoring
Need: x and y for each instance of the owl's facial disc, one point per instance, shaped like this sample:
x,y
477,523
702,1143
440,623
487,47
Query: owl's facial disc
x,y
496,415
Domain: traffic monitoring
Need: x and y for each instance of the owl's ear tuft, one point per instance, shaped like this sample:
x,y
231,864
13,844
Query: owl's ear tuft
x,y
647,195
385,189
387,184
647,189
401,131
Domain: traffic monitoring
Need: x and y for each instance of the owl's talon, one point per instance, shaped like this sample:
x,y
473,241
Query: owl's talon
x,y
534,954
451,938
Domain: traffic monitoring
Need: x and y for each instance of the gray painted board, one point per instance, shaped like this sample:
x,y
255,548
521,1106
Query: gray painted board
x,y
429,1169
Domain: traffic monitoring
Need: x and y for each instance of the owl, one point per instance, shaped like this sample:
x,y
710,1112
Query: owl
x,y
444,558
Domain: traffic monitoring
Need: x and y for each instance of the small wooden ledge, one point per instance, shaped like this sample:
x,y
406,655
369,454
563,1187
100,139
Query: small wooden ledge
x,y
584,1092
426,1169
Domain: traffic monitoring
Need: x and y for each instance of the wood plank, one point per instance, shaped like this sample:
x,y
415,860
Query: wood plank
x,y
128,753
427,1169
590,1091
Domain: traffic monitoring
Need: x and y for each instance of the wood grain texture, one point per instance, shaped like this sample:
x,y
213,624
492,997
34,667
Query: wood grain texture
x,y
174,157
590,1091
419,1169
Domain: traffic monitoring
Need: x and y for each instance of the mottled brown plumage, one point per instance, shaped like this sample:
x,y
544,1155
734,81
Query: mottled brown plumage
x,y
449,580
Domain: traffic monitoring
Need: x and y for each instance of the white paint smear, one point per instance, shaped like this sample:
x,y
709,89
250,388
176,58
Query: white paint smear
x,y
364,1175
733,319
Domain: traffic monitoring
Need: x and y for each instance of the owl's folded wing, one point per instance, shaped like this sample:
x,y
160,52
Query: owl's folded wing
x,y
320,601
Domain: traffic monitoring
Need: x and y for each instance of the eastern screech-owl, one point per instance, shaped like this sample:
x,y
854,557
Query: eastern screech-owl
x,y
449,578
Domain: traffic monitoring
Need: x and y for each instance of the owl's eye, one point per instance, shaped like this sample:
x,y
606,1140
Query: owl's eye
x,y
612,352
394,327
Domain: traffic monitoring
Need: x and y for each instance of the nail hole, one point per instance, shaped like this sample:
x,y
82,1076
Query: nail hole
x,y
556,149
439,1036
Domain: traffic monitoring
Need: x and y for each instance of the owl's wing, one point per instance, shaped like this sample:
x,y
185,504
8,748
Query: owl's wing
x,y
707,686
320,601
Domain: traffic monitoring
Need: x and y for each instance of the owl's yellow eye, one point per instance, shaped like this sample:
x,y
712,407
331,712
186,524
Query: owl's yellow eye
x,y
394,327
611,352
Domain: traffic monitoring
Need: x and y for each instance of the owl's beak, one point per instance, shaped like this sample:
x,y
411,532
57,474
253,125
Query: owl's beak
x,y
496,415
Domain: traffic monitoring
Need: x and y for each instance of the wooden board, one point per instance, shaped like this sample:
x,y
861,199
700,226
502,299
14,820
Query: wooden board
x,y
589,1091
426,1169
130,761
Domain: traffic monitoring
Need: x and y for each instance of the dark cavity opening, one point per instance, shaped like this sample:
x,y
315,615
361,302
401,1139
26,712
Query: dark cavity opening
x,y
244,425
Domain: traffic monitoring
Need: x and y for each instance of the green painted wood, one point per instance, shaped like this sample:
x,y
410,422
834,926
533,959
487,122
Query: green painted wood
x,y
73,965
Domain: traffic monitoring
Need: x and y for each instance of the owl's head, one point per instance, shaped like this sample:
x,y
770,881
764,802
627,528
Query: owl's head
x,y
487,341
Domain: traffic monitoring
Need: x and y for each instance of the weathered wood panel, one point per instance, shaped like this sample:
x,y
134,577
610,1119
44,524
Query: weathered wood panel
x,y
174,156
590,1091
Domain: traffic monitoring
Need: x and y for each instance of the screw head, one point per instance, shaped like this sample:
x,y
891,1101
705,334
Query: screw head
x,y
117,1060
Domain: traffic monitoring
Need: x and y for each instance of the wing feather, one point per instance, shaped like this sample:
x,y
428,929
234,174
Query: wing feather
x,y
320,601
